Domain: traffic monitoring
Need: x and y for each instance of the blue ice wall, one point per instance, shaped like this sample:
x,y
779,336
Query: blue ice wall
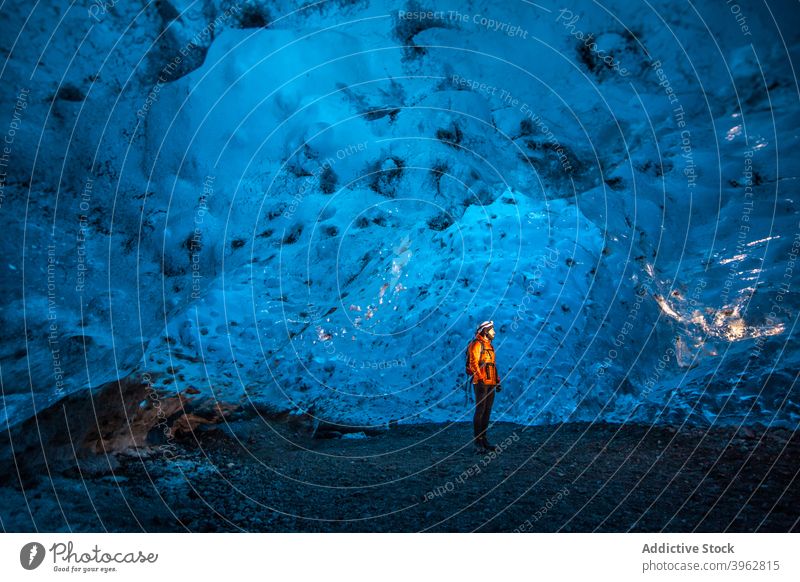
x,y
310,207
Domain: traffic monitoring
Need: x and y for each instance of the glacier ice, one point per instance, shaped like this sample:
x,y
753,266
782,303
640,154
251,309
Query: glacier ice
x,y
309,207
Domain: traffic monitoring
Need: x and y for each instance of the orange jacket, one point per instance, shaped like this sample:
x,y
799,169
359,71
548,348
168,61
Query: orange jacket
x,y
481,363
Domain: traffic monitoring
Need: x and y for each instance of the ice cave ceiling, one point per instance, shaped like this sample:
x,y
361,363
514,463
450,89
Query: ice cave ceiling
x,y
311,205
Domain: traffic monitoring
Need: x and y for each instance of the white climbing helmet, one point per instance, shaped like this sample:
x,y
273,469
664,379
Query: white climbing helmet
x,y
484,326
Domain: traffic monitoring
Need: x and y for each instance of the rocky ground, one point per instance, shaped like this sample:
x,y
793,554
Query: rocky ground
x,y
254,475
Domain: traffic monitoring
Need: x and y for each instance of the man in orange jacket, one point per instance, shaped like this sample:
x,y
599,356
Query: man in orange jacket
x,y
483,369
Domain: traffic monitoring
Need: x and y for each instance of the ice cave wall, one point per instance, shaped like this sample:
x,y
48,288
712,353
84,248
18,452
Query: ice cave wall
x,y
311,206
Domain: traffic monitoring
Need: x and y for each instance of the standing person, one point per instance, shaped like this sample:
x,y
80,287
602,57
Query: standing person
x,y
481,366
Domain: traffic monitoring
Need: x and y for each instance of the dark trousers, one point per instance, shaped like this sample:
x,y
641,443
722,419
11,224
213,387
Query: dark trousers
x,y
484,398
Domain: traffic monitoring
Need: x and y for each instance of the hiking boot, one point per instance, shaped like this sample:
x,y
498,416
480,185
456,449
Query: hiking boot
x,y
487,446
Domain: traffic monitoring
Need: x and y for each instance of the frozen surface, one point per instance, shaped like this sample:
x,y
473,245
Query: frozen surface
x,y
311,208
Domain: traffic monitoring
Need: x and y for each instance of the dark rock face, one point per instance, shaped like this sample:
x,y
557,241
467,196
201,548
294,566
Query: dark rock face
x,y
85,434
